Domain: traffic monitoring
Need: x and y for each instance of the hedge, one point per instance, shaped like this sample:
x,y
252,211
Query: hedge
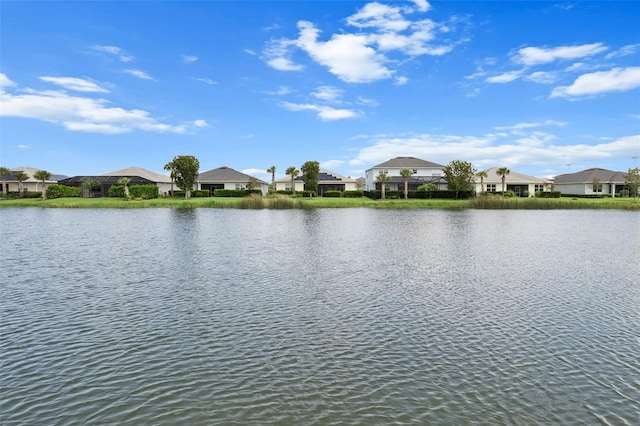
x,y
62,191
230,193
333,194
353,194
116,191
143,191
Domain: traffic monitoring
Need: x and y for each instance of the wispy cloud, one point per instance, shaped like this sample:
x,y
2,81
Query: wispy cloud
x,y
361,56
77,113
114,50
328,93
188,59
77,84
205,80
542,55
324,113
138,73
596,83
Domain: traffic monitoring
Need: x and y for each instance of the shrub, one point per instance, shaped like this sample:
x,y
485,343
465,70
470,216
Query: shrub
x,y
306,193
334,194
624,193
144,191
31,194
283,192
230,193
353,194
116,191
62,191
199,193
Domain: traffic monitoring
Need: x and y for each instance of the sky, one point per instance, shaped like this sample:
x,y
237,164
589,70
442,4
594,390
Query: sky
x,y
541,87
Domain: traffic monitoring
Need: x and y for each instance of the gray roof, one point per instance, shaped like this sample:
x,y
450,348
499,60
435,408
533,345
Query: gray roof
x,y
512,177
143,173
589,175
407,163
224,175
324,176
30,171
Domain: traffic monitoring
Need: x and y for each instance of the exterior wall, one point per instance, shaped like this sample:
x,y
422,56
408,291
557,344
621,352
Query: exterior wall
x,y
572,188
426,172
26,186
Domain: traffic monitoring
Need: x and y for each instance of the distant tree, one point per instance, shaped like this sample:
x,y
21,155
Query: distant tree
x,y
482,175
42,176
272,170
186,172
460,176
4,172
632,180
503,172
170,167
91,185
406,174
310,171
428,187
21,177
293,172
124,181
252,184
383,178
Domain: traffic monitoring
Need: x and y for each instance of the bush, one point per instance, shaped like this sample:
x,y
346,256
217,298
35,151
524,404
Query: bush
x,y
334,194
353,194
62,191
230,193
144,191
306,193
116,191
32,194
199,193
624,193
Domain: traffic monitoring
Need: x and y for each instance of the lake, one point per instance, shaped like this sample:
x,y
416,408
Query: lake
x,y
345,316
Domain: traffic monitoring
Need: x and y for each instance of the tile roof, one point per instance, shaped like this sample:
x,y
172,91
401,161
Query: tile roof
x,y
143,173
589,175
323,176
30,171
512,177
407,163
224,175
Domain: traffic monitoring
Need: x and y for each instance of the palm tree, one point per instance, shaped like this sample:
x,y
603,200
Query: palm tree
x,y
383,178
272,170
171,168
42,175
503,171
482,175
293,172
124,181
4,172
406,173
20,177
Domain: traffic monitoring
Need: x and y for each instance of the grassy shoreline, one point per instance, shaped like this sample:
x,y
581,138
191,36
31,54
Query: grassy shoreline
x,y
494,203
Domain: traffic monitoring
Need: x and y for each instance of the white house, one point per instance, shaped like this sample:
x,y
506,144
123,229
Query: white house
x,y
228,178
163,181
327,181
590,182
516,182
423,172
31,184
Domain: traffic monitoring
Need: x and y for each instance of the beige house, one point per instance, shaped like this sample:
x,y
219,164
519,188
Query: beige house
x,y
516,182
327,181
590,182
163,181
228,178
31,184
423,172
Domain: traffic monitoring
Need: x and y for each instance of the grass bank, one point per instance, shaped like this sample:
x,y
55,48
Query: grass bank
x,y
284,202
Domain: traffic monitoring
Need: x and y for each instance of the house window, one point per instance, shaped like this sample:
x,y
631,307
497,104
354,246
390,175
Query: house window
x,y
538,187
414,171
597,187
287,186
436,173
240,186
383,171
491,187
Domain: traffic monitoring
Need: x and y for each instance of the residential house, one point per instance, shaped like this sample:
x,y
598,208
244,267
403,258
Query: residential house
x,y
520,184
327,181
161,180
423,172
590,182
228,178
31,184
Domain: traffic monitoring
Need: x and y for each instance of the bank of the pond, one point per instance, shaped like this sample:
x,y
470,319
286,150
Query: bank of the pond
x,y
313,203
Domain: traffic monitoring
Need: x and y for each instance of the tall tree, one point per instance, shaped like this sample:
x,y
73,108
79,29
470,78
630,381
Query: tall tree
x,y
293,172
406,174
124,181
632,180
460,176
186,169
383,178
482,174
503,172
21,177
42,176
170,167
310,171
272,170
4,172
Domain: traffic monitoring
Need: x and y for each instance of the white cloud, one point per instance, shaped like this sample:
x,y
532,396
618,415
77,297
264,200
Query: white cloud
x,y
507,77
78,113
325,113
114,50
282,90
22,146
331,164
277,56
328,93
140,74
422,5
614,80
200,123
542,55
528,125
379,16
188,59
5,81
543,77
206,80
401,81
77,84
627,50
284,64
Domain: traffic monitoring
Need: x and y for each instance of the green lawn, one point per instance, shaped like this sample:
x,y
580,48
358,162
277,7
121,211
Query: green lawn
x,y
311,203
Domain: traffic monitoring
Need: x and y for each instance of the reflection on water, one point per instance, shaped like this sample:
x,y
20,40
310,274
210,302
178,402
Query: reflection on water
x,y
354,316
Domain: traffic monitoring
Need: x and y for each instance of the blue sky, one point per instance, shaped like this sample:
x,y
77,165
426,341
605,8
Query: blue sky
x,y
543,88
